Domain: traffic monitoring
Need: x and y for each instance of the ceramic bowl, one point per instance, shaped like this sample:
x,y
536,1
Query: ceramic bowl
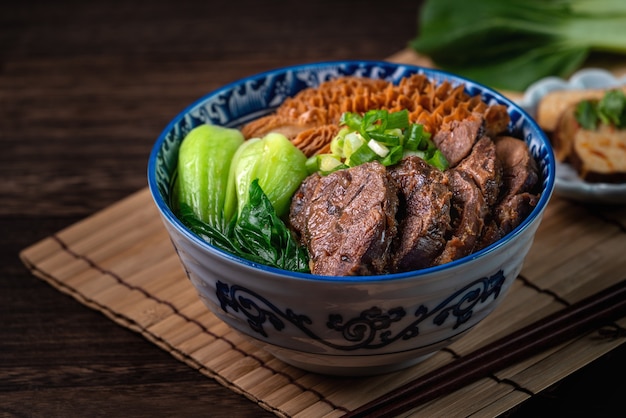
x,y
360,325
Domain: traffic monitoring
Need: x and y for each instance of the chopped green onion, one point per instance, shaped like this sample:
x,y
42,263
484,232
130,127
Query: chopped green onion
x,y
394,156
352,142
413,137
369,122
418,153
380,149
351,120
324,163
337,143
387,138
328,162
438,160
362,155
376,135
398,120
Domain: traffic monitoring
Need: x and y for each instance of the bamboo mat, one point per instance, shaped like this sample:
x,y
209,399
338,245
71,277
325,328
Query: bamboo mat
x,y
120,262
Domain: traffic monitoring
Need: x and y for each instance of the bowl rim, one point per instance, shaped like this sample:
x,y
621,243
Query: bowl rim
x,y
173,220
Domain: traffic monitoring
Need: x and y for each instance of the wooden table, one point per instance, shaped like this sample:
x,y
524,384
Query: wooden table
x,y
85,88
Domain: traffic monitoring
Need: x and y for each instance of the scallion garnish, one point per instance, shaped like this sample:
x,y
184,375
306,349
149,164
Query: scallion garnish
x,y
378,135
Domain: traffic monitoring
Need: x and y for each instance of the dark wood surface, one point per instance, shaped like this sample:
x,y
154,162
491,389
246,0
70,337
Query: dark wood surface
x,y
85,88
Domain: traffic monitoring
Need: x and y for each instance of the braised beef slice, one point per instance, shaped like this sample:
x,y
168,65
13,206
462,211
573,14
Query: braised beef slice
x,y
300,204
520,173
349,220
520,178
513,210
484,168
491,233
425,215
456,139
468,210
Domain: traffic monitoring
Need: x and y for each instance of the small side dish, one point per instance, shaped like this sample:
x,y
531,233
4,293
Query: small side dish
x,y
585,126
588,130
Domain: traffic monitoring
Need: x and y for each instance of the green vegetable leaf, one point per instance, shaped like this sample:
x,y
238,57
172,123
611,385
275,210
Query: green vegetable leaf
x,y
609,110
211,234
510,44
203,167
263,237
276,162
612,107
256,234
586,115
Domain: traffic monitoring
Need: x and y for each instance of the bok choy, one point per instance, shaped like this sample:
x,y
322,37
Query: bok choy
x,y
257,234
233,193
203,168
279,166
510,44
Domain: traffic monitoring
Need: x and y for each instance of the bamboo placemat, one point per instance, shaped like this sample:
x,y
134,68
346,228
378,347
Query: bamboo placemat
x,y
120,262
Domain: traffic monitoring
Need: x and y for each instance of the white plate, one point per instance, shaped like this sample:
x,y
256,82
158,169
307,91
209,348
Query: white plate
x,y
568,183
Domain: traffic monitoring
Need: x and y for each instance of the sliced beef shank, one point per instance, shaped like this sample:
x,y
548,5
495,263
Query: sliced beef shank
x,y
424,218
520,177
456,139
483,166
347,220
469,210
520,173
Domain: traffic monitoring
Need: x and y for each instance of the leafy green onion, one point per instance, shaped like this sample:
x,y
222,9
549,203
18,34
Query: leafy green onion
x,y
510,44
362,155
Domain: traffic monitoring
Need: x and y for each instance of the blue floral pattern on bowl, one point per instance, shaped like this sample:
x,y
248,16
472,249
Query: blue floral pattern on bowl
x,y
372,328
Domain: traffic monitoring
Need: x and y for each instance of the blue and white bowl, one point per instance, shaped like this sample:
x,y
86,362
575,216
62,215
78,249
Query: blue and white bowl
x,y
342,325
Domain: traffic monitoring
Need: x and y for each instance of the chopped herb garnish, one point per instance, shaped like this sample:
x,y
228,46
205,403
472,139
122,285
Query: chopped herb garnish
x,y
586,115
610,110
378,135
